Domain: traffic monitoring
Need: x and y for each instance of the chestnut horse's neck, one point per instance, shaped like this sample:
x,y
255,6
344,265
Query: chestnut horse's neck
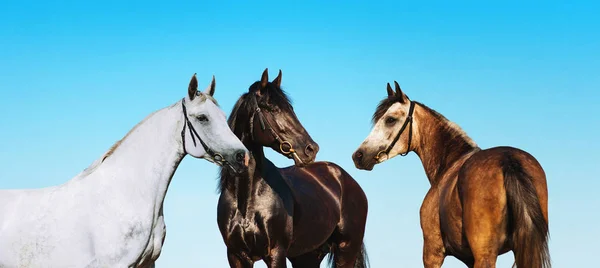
x,y
440,142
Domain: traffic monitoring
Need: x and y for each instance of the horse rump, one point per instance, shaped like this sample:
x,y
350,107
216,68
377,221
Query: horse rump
x,y
526,220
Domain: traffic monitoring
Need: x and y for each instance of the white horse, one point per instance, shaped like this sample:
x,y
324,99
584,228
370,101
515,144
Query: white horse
x,y
110,215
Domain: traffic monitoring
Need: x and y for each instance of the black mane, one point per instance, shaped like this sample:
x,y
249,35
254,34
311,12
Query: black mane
x,y
239,118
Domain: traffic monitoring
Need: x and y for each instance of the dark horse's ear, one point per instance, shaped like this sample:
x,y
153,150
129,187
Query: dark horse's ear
x,y
277,80
265,78
193,87
399,92
390,91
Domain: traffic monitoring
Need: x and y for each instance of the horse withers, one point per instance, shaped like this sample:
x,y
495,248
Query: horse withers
x,y
111,214
302,212
482,203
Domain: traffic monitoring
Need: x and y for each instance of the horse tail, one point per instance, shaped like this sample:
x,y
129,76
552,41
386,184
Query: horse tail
x,y
526,220
331,258
362,260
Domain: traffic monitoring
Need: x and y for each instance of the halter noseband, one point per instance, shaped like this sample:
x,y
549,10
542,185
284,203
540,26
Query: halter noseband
x,y
264,125
217,158
409,120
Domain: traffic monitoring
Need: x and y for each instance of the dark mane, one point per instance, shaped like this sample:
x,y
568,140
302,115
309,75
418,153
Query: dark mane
x,y
239,118
273,94
433,112
242,110
384,105
455,132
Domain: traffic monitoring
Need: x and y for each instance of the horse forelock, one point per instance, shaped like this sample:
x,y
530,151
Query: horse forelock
x,y
383,106
205,97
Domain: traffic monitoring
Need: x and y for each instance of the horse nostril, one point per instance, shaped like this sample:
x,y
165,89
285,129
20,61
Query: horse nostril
x,y
358,155
311,150
239,156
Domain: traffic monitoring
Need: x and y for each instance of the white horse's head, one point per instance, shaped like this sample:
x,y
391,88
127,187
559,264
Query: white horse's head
x,y
206,134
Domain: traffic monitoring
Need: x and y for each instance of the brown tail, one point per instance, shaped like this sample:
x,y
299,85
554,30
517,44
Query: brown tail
x,y
526,220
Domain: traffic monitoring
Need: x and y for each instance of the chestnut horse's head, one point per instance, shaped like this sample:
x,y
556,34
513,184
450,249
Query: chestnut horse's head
x,y
392,131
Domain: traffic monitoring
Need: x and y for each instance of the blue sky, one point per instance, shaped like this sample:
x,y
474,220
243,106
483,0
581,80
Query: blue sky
x,y
76,76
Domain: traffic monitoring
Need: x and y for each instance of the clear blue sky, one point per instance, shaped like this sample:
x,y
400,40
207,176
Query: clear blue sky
x,y
75,77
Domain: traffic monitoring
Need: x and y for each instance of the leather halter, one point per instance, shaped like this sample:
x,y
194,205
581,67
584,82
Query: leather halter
x,y
265,125
407,121
215,157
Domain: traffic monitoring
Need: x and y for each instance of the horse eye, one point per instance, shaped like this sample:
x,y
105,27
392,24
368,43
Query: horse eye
x,y
390,120
203,118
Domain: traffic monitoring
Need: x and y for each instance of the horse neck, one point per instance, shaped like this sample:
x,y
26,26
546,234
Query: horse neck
x,y
142,166
242,187
440,142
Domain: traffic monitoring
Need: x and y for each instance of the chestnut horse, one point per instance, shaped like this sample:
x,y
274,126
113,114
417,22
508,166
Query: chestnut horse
x,y
300,212
482,202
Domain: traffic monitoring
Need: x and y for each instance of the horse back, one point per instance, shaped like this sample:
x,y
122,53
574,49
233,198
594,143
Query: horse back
x,y
487,168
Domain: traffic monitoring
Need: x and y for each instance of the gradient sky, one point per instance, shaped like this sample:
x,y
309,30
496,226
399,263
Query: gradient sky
x,y
76,76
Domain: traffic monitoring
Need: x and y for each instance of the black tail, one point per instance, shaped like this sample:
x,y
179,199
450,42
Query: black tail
x,y
362,261
526,220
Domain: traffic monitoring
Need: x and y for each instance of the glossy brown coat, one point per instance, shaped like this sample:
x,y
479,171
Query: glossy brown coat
x,y
300,212
482,203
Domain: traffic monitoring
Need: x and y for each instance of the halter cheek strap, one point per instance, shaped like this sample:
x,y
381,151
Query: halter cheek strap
x,y
264,125
216,157
407,122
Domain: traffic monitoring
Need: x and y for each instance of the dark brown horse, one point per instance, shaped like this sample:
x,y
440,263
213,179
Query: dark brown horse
x,y
482,203
300,212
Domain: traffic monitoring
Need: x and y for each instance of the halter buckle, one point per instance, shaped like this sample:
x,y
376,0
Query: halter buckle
x,y
218,158
291,150
380,155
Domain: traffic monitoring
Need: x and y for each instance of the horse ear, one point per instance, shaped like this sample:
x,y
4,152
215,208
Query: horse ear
x,y
277,80
390,91
210,90
265,78
193,87
399,91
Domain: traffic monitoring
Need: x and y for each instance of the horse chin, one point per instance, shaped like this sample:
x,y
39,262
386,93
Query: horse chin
x,y
368,167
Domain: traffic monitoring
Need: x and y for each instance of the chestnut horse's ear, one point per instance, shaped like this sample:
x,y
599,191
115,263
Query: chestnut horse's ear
x,y
210,90
390,91
399,92
277,80
265,78
193,87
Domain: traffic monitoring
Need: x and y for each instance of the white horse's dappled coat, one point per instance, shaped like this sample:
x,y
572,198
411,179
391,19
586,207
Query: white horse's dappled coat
x,y
110,215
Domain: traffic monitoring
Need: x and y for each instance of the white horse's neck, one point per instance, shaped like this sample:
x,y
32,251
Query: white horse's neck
x,y
141,167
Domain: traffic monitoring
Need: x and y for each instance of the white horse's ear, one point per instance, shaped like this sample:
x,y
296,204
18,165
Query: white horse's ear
x,y
210,90
193,87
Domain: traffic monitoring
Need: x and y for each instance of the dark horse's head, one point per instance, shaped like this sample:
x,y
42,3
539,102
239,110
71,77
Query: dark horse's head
x,y
264,116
